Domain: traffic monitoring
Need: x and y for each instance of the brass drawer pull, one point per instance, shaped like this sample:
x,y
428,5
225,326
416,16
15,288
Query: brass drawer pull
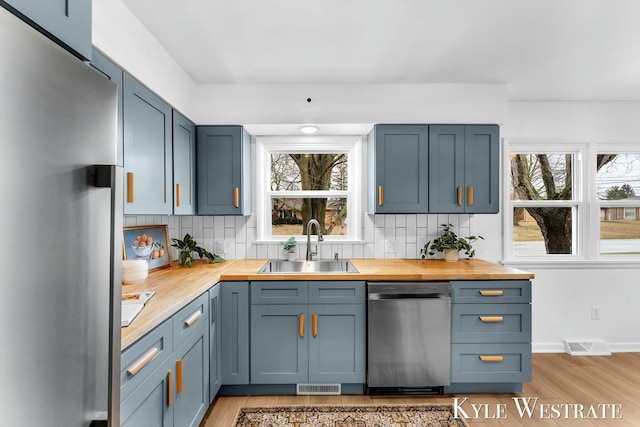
x,y
301,325
380,195
492,319
130,187
489,359
314,325
179,367
192,319
236,197
177,194
491,292
459,195
142,362
470,195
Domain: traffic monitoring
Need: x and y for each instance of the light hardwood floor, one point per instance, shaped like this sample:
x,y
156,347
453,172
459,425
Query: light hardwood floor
x,y
557,379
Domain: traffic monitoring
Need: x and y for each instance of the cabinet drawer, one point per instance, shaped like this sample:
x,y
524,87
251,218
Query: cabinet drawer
x,y
285,292
142,357
495,323
490,363
337,292
491,291
189,318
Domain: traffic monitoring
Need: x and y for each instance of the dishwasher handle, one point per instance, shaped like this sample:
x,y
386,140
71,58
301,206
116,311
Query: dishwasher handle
x,y
408,290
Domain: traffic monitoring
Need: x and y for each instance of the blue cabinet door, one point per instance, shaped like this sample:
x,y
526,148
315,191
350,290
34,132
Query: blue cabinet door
x,y
464,169
234,308
112,72
184,165
152,403
337,343
397,161
223,170
279,344
68,22
482,168
215,347
147,152
192,378
446,169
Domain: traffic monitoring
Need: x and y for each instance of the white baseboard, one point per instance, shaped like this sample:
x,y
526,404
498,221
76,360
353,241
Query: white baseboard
x,y
619,347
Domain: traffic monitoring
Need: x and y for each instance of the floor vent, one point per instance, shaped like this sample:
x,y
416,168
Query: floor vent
x,y
587,348
318,389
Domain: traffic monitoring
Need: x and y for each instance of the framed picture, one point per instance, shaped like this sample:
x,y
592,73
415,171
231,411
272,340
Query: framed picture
x,y
150,242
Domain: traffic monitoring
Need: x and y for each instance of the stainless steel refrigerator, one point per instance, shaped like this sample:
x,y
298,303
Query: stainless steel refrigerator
x,y
60,235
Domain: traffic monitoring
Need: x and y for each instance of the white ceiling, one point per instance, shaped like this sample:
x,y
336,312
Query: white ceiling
x,y
583,50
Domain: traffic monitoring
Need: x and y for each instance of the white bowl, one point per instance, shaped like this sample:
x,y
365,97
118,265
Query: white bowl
x,y
134,277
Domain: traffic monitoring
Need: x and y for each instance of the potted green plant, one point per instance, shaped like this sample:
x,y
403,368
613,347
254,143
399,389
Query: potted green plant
x,y
290,246
187,246
450,244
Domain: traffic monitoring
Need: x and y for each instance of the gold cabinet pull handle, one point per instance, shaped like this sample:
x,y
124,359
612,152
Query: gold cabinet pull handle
x,y
491,319
314,325
489,359
169,388
192,319
491,292
142,362
179,366
459,195
470,195
380,195
236,197
301,325
130,197
177,194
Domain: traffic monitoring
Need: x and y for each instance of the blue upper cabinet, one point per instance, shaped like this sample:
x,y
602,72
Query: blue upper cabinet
x,y
67,22
397,168
112,72
184,165
223,170
147,152
464,169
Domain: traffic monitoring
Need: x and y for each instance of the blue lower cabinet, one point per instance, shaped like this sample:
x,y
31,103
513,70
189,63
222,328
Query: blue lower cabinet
x,y
151,404
234,309
490,363
308,332
192,379
279,344
337,344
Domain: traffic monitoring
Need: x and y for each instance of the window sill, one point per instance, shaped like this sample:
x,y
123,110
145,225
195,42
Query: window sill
x,y
574,264
313,240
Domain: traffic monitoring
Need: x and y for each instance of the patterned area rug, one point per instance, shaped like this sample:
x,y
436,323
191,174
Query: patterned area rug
x,y
349,416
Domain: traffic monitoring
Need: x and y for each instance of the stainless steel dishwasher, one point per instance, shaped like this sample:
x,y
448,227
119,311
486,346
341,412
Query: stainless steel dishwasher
x,y
409,337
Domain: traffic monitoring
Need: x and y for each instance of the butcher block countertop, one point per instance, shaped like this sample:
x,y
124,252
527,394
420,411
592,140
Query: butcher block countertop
x,y
176,286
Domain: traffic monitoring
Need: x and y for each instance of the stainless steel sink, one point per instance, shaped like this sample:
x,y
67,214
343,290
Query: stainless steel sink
x,y
307,267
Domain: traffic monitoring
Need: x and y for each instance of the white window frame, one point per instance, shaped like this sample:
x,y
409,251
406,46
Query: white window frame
x,y
351,145
586,239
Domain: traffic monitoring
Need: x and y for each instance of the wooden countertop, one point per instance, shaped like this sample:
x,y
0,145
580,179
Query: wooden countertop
x,y
177,286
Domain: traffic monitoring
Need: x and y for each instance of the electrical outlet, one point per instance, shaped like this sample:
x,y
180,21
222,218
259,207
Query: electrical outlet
x,y
390,246
595,312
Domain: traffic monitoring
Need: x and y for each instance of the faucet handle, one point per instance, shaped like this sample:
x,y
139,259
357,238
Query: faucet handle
x,y
335,256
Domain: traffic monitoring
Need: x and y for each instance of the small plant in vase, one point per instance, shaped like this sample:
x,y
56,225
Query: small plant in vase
x,y
187,246
290,246
450,244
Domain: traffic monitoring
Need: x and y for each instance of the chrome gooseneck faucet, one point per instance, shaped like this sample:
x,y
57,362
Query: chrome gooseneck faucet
x,y
311,253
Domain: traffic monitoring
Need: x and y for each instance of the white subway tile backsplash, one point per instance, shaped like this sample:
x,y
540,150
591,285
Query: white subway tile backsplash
x,y
237,235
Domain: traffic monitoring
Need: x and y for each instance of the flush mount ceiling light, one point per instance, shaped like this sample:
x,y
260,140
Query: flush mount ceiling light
x,y
308,129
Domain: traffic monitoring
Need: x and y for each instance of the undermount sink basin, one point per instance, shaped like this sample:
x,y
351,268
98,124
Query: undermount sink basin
x,y
306,267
